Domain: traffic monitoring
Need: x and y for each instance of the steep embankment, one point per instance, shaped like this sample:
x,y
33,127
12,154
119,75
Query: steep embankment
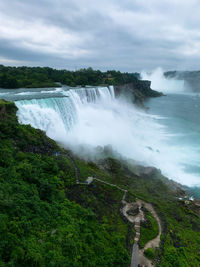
x,y
39,225
48,219
137,92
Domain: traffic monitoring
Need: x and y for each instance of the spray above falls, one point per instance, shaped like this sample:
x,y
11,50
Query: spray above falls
x,y
58,115
86,118
161,83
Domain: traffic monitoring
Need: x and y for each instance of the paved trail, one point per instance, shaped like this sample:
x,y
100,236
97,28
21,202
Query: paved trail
x,y
137,257
156,241
134,258
137,254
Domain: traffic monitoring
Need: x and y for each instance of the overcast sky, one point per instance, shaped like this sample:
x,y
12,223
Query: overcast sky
x,y
127,35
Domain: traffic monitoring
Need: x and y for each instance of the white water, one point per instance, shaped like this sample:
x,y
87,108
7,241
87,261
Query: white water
x,y
58,116
93,117
160,83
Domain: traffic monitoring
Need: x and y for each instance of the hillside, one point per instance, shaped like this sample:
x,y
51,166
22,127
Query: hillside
x,y
137,92
50,219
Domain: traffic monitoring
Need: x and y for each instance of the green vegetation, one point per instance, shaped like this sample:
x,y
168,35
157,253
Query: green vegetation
x,y
149,229
40,223
46,219
180,220
149,253
35,77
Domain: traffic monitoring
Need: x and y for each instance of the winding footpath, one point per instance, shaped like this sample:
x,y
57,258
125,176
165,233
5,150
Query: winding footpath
x,y
156,241
137,258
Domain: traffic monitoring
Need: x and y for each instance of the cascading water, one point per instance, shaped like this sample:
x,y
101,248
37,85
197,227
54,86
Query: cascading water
x,y
53,115
92,117
57,116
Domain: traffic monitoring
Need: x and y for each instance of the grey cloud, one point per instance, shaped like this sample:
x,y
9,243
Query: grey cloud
x,y
125,35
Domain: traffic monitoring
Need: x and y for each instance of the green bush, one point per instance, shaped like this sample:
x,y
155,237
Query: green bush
x,y
148,230
149,253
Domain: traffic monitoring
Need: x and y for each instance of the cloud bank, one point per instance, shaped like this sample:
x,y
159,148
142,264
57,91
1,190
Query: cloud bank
x,y
125,35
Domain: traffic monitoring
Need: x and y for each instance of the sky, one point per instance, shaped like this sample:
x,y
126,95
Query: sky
x,y
128,35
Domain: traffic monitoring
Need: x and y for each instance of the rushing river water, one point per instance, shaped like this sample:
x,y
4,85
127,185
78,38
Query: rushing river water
x,y
179,115
166,136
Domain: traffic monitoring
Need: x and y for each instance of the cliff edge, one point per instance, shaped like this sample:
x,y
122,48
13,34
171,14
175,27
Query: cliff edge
x,y
136,91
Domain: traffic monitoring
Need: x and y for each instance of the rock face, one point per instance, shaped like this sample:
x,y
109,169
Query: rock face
x,y
137,92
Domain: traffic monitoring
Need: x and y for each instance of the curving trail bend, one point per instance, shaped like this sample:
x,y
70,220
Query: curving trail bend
x,y
138,257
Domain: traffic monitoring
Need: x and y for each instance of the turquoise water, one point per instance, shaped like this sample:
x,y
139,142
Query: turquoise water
x,y
180,116
166,137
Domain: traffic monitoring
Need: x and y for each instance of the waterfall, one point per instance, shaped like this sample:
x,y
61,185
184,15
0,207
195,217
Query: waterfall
x,y
84,118
57,115
90,95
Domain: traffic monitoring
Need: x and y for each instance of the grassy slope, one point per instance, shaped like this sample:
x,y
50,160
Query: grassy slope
x,y
149,229
180,220
47,220
39,224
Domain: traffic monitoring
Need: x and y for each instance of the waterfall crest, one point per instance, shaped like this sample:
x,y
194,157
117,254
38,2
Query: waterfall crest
x,y
57,115
84,118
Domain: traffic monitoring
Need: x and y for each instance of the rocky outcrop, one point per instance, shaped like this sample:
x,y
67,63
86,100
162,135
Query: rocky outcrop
x,y
137,92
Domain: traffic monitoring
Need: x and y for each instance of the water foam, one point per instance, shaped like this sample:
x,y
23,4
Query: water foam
x,y
92,117
55,90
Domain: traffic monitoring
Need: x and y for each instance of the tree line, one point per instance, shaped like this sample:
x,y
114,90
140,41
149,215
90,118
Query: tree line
x,y
35,77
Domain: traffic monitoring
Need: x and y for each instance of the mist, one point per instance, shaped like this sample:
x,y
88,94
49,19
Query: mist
x,y
131,133
162,84
92,123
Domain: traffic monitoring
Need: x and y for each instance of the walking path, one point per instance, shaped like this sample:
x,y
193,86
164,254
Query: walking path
x,y
134,258
137,257
156,241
